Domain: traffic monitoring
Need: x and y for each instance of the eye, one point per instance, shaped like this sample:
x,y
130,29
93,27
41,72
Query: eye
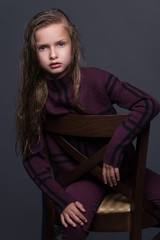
x,y
42,48
61,44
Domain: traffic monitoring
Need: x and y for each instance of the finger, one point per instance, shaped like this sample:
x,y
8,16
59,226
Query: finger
x,y
112,176
117,174
80,206
77,218
63,221
109,180
104,174
79,214
69,220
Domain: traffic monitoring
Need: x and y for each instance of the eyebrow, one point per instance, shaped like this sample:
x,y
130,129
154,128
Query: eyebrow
x,y
45,43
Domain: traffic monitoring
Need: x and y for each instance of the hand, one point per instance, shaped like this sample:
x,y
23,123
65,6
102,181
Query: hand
x,y
110,175
72,214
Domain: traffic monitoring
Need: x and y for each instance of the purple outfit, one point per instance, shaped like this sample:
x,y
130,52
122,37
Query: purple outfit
x,y
98,92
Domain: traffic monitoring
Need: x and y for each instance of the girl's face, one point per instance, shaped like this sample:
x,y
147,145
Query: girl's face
x,y
54,50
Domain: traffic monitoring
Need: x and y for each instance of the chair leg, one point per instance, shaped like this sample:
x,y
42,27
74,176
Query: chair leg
x,y
48,219
43,217
136,231
135,223
135,235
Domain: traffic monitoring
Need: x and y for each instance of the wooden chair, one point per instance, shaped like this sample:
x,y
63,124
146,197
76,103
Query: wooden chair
x,y
130,211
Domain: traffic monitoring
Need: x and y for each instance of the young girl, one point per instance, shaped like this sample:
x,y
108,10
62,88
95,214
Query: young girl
x,y
53,83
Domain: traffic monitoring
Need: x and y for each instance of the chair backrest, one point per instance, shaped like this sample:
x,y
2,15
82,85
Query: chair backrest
x,y
103,127
97,126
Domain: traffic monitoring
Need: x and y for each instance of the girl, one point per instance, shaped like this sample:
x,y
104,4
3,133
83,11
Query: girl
x,y
53,83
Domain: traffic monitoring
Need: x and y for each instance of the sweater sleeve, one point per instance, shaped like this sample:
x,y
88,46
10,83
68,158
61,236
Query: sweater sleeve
x,y
143,108
38,167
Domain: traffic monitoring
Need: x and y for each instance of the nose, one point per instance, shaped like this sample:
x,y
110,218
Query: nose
x,y
53,53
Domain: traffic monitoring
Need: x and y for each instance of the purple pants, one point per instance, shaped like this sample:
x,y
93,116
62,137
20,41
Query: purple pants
x,y
90,194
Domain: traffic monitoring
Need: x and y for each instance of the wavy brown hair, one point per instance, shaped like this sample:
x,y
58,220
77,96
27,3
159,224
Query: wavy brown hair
x,y
33,90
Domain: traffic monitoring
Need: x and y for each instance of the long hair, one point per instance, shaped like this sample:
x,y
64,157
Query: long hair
x,y
33,89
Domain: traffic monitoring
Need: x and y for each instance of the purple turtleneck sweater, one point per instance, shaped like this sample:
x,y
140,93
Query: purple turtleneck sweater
x,y
98,92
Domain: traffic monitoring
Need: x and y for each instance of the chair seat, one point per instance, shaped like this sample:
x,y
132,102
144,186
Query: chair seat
x,y
114,203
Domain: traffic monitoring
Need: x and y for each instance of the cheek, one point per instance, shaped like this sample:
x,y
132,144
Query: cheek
x,y
70,58
69,55
38,57
41,59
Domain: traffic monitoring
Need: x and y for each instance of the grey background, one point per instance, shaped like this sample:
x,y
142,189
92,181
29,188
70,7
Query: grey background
x,y
120,36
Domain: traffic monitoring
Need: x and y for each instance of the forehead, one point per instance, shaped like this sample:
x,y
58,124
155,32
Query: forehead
x,y
51,32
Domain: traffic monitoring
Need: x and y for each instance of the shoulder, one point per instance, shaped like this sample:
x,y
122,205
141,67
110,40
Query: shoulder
x,y
97,77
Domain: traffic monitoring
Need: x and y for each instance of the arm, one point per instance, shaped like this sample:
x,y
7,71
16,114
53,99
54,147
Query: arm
x,y
143,108
38,167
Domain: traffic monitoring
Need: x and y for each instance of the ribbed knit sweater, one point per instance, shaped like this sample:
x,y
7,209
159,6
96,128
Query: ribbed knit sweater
x,y
99,91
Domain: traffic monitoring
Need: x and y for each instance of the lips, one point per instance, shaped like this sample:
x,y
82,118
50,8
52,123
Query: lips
x,y
55,65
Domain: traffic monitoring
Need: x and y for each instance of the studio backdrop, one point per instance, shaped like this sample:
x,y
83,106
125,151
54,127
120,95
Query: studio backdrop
x,y
119,36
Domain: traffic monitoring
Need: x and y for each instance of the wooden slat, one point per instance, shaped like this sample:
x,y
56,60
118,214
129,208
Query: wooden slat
x,y
84,125
80,170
